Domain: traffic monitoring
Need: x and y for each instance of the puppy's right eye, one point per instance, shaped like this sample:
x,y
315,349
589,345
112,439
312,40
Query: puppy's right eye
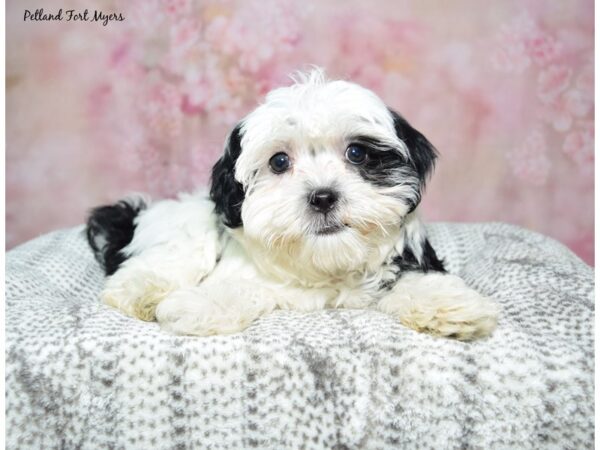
x,y
356,154
279,162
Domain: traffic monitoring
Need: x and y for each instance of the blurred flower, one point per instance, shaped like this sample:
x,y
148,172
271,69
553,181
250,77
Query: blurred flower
x,y
177,6
511,53
569,106
530,162
521,41
558,114
542,48
578,103
511,56
585,80
579,146
161,107
552,81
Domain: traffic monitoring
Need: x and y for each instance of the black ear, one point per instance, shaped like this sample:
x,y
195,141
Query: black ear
x,y
422,152
225,191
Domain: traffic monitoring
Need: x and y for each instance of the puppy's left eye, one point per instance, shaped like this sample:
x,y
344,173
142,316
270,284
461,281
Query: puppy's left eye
x,y
356,154
279,163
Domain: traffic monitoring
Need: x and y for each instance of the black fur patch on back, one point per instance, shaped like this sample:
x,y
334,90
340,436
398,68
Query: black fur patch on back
x,y
109,229
407,262
227,193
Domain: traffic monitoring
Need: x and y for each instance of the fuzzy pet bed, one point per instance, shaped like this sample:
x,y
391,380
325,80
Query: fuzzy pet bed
x,y
81,375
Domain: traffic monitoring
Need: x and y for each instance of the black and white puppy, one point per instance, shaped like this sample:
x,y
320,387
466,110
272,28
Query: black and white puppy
x,y
313,205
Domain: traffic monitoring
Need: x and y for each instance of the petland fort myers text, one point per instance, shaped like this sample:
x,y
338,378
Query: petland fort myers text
x,y
73,15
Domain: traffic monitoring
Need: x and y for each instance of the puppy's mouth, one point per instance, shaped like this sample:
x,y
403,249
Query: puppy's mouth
x,y
331,229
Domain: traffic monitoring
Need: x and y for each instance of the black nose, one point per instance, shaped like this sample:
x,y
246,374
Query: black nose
x,y
322,200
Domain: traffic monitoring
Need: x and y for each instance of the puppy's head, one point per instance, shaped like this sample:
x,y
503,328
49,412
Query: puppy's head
x,y
323,173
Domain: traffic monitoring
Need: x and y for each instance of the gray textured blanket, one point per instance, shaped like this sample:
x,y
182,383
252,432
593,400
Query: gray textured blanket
x,y
81,375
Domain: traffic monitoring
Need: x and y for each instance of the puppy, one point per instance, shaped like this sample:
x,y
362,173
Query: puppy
x,y
313,205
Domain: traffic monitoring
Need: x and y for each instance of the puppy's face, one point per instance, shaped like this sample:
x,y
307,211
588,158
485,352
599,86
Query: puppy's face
x,y
323,173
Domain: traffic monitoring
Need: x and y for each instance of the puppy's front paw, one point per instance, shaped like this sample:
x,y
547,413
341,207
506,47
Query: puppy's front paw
x,y
441,305
210,310
136,292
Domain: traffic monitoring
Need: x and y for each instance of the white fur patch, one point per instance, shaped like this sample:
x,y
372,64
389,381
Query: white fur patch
x,y
175,245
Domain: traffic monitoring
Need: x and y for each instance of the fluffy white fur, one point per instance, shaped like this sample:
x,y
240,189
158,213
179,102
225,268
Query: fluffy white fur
x,y
196,277
176,245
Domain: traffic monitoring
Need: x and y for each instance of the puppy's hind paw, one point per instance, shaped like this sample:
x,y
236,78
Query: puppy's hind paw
x,y
137,294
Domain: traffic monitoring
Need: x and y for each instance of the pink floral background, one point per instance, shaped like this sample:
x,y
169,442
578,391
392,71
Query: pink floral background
x,y
505,90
